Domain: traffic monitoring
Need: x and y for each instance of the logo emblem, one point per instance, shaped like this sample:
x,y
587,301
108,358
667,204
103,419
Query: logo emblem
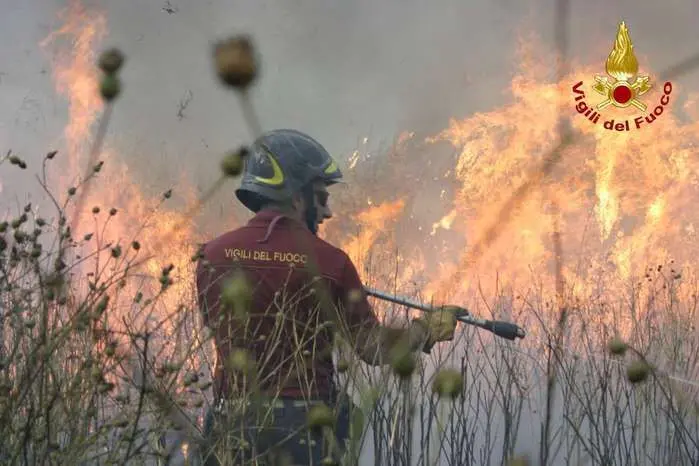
x,y
622,86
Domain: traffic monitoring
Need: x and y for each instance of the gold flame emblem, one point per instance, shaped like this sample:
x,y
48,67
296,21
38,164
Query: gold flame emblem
x,y
622,86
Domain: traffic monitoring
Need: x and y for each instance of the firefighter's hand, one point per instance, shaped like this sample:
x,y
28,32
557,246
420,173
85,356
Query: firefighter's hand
x,y
440,325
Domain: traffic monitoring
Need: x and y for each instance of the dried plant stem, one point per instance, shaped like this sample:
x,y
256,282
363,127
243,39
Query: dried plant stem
x,y
92,159
561,27
250,114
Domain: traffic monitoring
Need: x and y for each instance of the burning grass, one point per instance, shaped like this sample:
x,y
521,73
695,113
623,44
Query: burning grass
x,y
103,353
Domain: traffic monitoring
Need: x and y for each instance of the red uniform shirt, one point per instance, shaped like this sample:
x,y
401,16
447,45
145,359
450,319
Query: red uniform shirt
x,y
278,255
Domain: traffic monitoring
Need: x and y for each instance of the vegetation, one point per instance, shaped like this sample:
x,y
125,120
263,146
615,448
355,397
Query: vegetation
x,y
99,361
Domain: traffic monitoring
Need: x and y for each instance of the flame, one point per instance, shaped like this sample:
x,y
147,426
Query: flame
x,y
373,223
140,216
445,222
76,77
625,199
621,63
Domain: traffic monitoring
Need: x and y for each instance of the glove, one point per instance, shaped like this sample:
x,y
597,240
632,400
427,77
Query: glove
x,y
440,325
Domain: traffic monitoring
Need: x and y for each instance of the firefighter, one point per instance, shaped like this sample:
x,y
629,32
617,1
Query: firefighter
x,y
302,292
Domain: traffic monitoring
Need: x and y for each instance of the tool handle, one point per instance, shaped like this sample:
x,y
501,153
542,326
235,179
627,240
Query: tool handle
x,y
505,329
500,328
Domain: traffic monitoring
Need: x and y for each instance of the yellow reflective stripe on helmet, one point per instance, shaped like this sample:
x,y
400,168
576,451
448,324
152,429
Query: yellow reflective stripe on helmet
x,y
332,168
278,176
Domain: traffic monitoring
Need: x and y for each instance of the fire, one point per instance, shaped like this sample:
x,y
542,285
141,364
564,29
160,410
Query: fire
x,y
372,222
138,216
625,198
76,77
445,222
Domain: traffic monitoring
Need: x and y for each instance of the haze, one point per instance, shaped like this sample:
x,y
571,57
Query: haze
x,y
341,71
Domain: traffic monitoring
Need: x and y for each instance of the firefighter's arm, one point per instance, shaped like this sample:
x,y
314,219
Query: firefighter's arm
x,y
374,342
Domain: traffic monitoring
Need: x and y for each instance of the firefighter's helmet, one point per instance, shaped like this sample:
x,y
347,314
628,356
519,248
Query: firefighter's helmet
x,y
280,164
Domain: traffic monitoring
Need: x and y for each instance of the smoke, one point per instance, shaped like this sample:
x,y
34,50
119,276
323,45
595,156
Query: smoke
x,y
338,70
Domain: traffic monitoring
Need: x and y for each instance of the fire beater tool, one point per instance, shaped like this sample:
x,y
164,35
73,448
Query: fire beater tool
x,y
498,327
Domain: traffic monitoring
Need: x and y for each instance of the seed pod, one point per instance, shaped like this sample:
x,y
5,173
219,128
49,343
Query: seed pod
x,y
448,383
237,295
110,87
232,163
235,62
403,361
20,236
342,366
617,346
96,374
111,60
241,361
637,371
165,281
102,305
320,416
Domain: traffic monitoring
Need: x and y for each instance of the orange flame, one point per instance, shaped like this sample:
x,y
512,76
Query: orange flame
x,y
139,217
626,198
372,222
76,75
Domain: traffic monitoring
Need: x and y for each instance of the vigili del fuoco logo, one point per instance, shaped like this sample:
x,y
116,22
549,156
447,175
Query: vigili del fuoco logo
x,y
622,87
